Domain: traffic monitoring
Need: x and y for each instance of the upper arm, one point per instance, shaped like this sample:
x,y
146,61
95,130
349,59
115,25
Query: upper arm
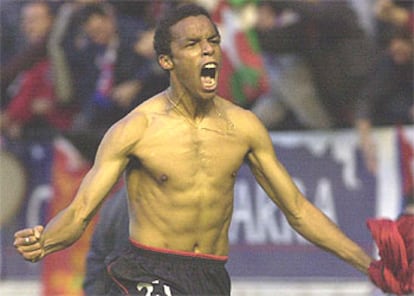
x,y
111,159
269,171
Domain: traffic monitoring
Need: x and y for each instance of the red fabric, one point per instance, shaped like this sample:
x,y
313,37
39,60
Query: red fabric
x,y
394,272
406,159
37,83
233,85
406,229
410,23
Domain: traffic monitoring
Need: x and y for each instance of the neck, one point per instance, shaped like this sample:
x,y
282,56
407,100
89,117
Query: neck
x,y
187,106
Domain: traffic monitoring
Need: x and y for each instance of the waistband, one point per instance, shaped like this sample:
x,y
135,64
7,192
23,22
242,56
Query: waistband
x,y
176,253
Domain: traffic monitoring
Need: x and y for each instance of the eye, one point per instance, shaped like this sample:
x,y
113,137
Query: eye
x,y
191,43
215,40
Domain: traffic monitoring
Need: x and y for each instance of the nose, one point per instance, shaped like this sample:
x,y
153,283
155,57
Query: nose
x,y
207,48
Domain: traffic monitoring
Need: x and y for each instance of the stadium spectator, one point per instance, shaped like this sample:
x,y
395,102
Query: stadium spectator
x,y
387,97
281,30
341,55
109,239
33,108
391,14
111,77
17,54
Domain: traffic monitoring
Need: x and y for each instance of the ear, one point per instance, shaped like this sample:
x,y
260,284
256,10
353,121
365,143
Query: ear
x,y
165,62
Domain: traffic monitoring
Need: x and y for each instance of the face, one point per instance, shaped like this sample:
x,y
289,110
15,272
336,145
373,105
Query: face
x,y
195,56
401,50
100,29
267,17
36,21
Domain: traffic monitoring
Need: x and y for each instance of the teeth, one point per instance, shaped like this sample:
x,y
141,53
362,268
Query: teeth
x,y
209,70
210,66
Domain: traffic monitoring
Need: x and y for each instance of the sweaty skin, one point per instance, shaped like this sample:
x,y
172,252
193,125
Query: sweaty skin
x,y
180,152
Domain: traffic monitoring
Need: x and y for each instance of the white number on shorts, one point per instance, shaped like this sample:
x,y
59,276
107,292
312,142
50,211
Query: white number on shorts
x,y
149,288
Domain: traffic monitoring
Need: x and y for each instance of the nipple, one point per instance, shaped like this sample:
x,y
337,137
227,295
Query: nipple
x,y
164,178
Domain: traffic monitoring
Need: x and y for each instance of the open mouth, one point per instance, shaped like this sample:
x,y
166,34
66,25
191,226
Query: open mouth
x,y
208,76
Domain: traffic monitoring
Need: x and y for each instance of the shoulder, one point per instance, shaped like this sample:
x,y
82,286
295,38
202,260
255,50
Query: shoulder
x,y
130,129
140,117
247,125
231,109
243,119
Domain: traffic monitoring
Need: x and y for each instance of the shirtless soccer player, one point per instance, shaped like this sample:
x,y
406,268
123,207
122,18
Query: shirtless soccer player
x,y
180,152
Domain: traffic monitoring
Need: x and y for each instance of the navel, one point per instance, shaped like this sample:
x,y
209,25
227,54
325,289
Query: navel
x,y
234,174
196,248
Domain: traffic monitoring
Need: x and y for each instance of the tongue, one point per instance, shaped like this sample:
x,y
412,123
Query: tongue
x,y
208,82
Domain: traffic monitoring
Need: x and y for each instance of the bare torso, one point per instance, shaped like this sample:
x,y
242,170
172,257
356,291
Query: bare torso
x,y
181,178
181,156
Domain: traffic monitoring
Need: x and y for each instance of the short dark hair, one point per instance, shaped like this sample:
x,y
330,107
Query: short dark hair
x,y
90,10
162,37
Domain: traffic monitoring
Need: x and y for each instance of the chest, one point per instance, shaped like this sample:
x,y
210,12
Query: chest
x,y
176,148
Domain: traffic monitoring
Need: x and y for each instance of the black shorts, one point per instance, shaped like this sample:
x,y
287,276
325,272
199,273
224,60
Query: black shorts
x,y
151,271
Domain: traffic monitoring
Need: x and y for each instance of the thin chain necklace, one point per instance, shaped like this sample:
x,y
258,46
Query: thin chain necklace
x,y
174,105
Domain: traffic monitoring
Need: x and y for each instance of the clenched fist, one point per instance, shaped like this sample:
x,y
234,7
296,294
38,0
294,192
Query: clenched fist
x,y
27,243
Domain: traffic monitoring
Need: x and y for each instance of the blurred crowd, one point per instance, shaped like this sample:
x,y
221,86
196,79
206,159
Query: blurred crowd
x,y
73,68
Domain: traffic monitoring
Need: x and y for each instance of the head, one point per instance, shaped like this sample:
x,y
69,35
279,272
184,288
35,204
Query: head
x,y
98,22
36,20
163,35
143,44
401,47
187,44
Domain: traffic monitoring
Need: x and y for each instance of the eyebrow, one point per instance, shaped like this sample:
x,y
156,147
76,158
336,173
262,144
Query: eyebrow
x,y
213,36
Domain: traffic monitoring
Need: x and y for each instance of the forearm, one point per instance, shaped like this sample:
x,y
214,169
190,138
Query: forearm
x,y
63,79
321,231
62,231
364,129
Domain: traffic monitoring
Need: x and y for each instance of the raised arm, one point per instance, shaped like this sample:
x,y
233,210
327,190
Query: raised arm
x,y
302,215
66,227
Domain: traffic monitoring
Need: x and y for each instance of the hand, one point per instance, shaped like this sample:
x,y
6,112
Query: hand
x,y
41,106
401,50
27,242
125,93
367,144
10,128
267,18
394,272
387,10
369,152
